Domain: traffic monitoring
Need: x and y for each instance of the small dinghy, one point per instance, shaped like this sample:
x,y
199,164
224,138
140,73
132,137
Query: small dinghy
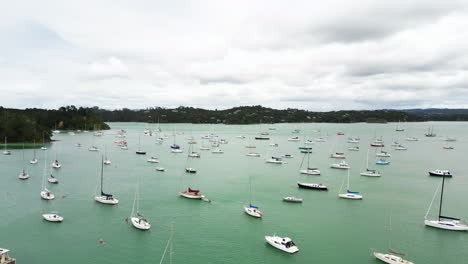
x,y
292,199
52,217
253,154
314,186
442,173
191,194
252,210
47,195
282,243
93,148
153,160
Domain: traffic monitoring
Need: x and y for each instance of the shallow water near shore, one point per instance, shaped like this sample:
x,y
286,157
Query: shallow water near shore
x,y
325,228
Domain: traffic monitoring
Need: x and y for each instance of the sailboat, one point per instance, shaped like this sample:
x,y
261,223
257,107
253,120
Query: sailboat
x,y
398,128
6,151
370,172
430,132
104,197
309,170
45,193
138,220
34,159
251,209
107,161
139,151
43,143
349,194
52,179
393,256
24,174
444,222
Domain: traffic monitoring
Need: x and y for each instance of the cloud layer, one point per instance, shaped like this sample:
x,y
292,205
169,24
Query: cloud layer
x,y
332,55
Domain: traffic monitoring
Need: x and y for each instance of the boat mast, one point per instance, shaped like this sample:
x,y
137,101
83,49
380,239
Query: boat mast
x,y
102,172
441,196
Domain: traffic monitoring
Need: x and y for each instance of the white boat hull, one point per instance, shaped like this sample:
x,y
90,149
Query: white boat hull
x,y
104,200
292,199
142,225
448,225
191,196
56,165
52,217
310,172
47,195
23,176
352,196
370,174
391,259
276,242
33,161
253,212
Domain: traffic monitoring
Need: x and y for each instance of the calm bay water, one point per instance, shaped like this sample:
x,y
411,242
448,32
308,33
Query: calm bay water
x,y
325,228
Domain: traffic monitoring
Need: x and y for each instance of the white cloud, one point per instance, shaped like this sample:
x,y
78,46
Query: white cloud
x,y
362,54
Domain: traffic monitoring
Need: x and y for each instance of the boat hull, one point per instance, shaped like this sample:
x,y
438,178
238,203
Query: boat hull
x,y
274,241
253,212
104,200
142,225
312,186
191,195
447,225
391,259
52,217
351,196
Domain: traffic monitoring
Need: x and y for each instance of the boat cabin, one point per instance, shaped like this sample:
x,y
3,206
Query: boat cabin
x,y
4,258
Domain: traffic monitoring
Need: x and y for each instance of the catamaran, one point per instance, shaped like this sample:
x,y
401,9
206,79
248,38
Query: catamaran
x,y
444,222
104,197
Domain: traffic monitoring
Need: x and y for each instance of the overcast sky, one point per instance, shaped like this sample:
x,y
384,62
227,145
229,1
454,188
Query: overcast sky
x,y
315,55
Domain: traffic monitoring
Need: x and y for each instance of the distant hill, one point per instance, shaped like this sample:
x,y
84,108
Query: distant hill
x,y
439,114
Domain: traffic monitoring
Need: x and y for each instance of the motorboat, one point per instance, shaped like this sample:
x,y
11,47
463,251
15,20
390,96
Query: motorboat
x,y
293,199
314,186
354,148
125,147
401,147
309,142
282,243
190,170
377,145
412,139
274,145
52,217
338,155
253,210
253,154
383,154
177,150
448,147
288,156
342,165
5,258
443,173
310,171
353,140
47,195
241,136
217,151
275,160
191,194
160,169
153,160
294,139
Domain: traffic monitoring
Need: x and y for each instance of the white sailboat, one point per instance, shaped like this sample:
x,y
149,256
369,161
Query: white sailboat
x,y
139,151
251,209
6,151
43,143
34,159
45,193
137,219
349,194
444,222
107,161
370,172
24,175
104,197
308,170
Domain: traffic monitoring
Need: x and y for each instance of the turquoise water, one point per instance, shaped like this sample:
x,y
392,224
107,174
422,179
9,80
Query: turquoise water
x,y
325,228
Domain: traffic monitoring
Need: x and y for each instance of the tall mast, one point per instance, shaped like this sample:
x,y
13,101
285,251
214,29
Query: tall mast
x,y
441,196
102,171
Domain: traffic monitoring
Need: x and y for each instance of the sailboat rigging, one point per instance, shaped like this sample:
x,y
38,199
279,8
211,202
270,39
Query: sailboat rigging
x,y
104,197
